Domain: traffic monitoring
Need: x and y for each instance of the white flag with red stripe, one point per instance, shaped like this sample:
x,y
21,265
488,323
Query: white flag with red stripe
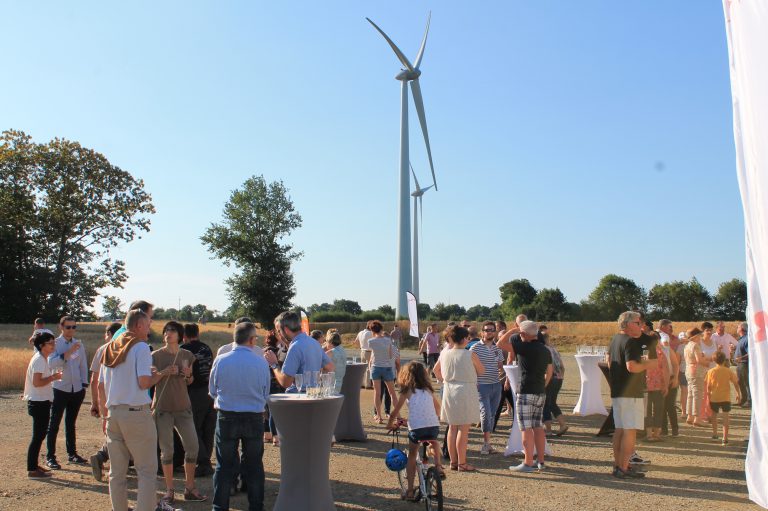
x,y
746,24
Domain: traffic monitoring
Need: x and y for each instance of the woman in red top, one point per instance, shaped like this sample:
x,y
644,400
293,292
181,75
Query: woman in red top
x,y
657,382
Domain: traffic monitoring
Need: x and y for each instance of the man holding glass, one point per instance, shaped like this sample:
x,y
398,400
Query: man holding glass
x,y
68,392
304,355
239,386
628,364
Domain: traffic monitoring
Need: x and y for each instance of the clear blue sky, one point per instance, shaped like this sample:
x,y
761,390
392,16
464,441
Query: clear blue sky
x,y
570,139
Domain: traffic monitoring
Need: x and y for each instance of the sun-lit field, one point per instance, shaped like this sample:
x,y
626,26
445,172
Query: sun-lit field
x,y
15,351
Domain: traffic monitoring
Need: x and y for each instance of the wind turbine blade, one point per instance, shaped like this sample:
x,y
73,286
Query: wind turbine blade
x,y
414,177
417,62
419,102
427,188
403,59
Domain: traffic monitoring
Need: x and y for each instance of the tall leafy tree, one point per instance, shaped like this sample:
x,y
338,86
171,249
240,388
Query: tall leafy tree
x,y
62,208
680,301
344,305
113,307
550,305
516,297
257,219
612,296
731,300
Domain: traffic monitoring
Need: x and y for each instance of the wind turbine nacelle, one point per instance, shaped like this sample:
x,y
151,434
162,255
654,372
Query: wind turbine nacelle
x,y
407,76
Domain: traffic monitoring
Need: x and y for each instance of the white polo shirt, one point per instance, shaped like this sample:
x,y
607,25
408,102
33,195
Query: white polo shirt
x,y
121,383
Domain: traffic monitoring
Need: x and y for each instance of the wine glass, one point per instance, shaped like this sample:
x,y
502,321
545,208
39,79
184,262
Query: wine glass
x,y
299,381
331,382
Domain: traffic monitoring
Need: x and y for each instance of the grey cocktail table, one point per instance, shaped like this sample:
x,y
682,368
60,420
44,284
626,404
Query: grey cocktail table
x,y
349,425
305,427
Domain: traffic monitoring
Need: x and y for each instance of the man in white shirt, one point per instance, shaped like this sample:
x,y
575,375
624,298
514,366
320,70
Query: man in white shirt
x,y
125,376
365,351
724,341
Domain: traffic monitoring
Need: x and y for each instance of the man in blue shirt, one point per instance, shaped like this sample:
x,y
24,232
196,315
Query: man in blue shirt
x,y
304,353
741,357
239,386
68,392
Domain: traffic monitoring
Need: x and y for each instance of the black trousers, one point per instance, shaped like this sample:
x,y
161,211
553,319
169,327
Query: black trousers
x,y
386,398
205,423
506,396
40,411
670,412
65,405
742,370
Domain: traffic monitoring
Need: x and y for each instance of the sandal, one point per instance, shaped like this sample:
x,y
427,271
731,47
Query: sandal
x,y
267,437
169,496
192,495
466,467
409,495
378,420
562,431
454,466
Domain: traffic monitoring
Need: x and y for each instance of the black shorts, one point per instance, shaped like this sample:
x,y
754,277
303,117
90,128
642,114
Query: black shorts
x,y
423,434
724,406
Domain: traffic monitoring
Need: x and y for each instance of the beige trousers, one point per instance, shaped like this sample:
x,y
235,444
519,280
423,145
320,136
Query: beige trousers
x,y
183,423
131,434
366,357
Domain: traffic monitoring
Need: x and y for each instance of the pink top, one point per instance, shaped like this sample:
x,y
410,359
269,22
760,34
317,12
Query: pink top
x,y
654,378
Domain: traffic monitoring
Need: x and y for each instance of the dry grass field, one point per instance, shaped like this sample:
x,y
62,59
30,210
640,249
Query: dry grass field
x,y
15,351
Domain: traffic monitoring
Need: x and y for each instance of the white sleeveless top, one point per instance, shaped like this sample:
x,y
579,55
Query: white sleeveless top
x,y
421,410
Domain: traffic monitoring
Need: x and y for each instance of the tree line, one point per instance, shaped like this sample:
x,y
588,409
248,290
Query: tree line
x,y
677,301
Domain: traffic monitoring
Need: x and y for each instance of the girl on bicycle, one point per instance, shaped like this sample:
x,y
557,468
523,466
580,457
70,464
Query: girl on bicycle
x,y
423,423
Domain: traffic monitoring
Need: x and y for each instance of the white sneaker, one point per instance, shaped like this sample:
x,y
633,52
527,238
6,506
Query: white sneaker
x,y
486,449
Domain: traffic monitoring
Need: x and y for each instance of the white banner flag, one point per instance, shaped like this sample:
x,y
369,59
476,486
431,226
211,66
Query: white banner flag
x,y
746,23
413,315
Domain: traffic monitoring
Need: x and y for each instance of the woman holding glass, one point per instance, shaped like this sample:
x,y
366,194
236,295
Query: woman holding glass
x,y
339,356
38,393
696,365
380,366
172,409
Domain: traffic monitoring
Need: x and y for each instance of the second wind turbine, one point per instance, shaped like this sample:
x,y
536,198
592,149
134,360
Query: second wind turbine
x,y
411,74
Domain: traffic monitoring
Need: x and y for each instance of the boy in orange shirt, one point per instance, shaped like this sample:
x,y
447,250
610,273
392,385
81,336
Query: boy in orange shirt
x,y
719,392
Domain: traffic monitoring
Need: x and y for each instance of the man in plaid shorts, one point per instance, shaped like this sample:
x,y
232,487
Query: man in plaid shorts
x,y
536,369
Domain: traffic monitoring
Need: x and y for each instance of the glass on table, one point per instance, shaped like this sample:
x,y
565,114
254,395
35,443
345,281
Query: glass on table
x,y
299,381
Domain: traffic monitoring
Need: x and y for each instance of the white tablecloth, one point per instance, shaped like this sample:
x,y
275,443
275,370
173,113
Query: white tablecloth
x,y
590,400
515,441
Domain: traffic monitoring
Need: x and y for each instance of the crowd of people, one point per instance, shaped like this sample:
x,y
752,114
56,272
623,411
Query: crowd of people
x,y
178,405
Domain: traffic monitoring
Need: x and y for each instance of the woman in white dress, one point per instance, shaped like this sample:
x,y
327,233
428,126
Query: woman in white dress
x,y
458,369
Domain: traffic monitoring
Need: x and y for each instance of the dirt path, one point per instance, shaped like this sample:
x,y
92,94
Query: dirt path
x,y
689,472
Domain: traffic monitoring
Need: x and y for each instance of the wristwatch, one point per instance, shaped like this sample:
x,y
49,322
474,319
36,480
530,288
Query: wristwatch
x,y
273,366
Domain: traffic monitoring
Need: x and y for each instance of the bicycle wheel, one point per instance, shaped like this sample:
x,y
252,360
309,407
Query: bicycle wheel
x,y
433,500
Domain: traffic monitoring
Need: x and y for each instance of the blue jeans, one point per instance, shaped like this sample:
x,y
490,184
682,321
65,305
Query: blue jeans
x,y
490,395
247,428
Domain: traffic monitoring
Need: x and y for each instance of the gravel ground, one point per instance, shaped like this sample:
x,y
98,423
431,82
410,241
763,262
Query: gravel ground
x,y
688,472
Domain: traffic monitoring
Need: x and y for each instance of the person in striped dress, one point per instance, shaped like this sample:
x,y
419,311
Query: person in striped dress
x,y
488,386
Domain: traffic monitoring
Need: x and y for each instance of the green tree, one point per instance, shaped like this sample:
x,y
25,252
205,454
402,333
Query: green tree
x,y
549,305
318,307
612,296
680,301
62,208
478,312
344,305
424,311
257,219
113,307
387,312
444,312
516,298
731,300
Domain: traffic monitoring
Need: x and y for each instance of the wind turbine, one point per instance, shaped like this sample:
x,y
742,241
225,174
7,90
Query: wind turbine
x,y
411,74
418,212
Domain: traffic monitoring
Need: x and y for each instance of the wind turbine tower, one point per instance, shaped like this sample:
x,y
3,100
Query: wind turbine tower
x,y
410,74
418,213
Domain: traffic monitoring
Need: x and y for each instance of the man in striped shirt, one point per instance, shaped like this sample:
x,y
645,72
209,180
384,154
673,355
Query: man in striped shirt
x,y
488,386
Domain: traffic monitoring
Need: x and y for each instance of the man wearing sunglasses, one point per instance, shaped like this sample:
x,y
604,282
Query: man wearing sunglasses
x,y
68,392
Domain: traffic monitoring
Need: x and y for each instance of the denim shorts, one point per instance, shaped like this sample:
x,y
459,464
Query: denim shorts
x,y
682,379
382,373
423,434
